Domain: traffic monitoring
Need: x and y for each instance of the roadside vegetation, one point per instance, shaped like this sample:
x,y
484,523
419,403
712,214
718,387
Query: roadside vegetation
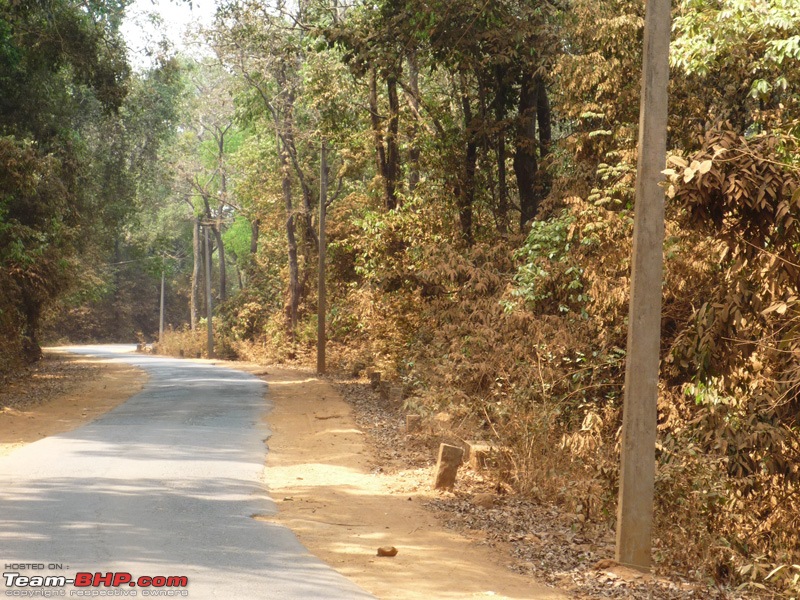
x,y
480,175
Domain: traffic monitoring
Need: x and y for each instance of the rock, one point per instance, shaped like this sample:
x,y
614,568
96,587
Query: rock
x,y
387,551
450,458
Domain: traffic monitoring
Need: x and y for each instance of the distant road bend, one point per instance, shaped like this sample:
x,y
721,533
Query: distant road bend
x,y
162,486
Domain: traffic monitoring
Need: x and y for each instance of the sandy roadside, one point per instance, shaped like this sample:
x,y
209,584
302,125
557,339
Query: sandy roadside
x,y
61,393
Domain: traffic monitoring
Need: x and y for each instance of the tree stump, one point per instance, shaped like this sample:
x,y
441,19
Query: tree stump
x,y
447,466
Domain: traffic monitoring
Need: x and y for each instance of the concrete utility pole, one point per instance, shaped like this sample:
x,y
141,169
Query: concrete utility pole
x,y
210,312
161,311
637,468
321,300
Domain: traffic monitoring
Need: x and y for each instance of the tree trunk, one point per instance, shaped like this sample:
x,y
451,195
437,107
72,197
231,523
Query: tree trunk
x,y
286,134
525,164
309,236
413,152
239,278
500,149
377,133
31,350
223,273
392,152
465,195
195,291
543,178
255,226
543,118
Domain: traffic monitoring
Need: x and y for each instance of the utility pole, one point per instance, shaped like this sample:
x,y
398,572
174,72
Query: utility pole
x,y
210,312
321,300
161,311
637,465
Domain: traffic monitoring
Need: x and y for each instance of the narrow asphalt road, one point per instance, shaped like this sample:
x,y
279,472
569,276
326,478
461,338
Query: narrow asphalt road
x,y
164,485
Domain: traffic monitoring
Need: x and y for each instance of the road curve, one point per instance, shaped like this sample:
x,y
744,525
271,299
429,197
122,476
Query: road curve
x,y
163,485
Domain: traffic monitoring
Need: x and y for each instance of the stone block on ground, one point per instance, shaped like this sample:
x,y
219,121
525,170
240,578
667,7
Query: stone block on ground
x,y
450,458
396,395
413,423
478,455
374,379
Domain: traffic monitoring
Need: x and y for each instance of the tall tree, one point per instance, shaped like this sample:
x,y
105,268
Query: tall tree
x,y
65,76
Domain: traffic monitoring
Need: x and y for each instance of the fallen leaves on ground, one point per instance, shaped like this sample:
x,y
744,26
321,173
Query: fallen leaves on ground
x,y
38,383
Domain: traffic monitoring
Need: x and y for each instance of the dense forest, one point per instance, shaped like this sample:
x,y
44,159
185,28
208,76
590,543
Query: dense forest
x,y
475,162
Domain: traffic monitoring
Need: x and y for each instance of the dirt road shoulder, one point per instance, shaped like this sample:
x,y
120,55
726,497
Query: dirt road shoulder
x,y
318,472
60,393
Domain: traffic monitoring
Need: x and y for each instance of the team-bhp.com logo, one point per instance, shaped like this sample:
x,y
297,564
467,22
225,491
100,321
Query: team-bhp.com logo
x,y
90,584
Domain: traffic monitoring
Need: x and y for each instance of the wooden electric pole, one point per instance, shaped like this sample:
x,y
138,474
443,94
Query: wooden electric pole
x,y
321,291
210,311
161,312
637,466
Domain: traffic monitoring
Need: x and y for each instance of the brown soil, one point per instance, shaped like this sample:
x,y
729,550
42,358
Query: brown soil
x,y
61,393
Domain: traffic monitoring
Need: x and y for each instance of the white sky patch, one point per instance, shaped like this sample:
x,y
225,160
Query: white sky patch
x,y
148,22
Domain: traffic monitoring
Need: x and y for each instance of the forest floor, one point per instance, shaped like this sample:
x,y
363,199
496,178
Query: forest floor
x,y
347,480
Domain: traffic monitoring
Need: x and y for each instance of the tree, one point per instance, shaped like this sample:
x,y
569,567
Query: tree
x,y
64,77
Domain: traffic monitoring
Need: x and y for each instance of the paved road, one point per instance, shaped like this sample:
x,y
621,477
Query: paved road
x,y
164,485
